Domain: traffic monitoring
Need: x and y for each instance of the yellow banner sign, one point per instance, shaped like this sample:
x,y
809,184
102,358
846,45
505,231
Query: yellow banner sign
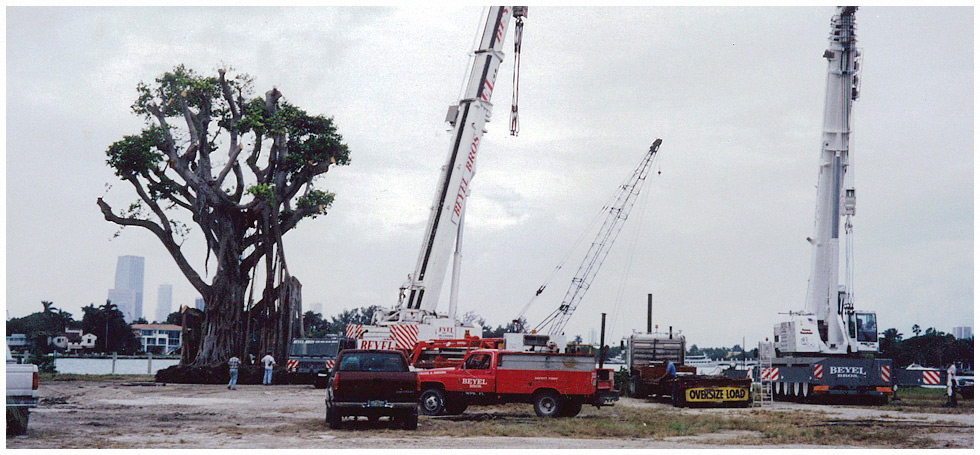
x,y
717,394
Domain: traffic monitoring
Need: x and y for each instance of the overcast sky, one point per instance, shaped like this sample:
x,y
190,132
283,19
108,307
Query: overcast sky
x,y
719,237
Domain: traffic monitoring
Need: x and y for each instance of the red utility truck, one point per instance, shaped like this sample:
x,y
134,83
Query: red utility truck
x,y
557,384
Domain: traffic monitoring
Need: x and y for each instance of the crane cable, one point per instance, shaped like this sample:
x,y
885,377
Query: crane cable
x,y
589,228
515,125
558,317
561,263
629,262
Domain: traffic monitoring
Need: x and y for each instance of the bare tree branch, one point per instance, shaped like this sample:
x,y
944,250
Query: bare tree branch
x,y
168,243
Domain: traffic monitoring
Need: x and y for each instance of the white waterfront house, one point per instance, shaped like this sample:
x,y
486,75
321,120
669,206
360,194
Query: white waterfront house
x,y
158,338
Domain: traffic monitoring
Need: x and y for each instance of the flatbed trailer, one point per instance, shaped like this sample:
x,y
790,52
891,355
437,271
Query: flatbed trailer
x,y
689,388
648,355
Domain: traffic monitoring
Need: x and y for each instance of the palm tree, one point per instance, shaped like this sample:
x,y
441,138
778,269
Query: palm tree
x,y
48,306
916,329
107,310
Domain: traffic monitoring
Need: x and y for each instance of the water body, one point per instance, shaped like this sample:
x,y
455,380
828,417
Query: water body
x,y
104,366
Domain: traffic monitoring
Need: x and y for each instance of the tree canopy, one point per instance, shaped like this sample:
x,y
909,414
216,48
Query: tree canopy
x,y
107,323
39,326
242,200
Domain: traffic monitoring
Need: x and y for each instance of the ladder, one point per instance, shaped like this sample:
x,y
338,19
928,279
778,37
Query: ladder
x,y
761,383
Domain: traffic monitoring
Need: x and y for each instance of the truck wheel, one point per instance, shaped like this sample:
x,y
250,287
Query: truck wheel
x,y
333,418
636,387
569,408
17,418
432,402
319,382
546,404
410,421
456,408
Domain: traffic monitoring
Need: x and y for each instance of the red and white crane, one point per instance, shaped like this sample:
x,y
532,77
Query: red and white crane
x,y
415,317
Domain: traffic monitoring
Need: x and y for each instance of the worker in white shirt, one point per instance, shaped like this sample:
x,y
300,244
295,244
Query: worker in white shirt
x,y
951,385
269,362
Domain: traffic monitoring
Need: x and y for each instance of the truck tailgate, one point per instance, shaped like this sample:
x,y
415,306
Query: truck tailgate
x,y
20,379
374,385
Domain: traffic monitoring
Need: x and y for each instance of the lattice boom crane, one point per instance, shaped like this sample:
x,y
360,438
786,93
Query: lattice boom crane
x,y
619,210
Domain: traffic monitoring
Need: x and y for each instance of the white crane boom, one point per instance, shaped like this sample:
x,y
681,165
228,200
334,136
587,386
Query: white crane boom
x,y
468,120
415,317
829,324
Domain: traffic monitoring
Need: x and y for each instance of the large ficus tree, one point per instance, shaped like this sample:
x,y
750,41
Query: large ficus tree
x,y
243,169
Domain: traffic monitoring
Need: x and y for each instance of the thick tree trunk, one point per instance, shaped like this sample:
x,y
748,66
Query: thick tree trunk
x,y
190,334
222,321
223,306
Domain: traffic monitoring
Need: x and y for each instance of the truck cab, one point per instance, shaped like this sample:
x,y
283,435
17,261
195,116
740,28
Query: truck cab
x,y
311,359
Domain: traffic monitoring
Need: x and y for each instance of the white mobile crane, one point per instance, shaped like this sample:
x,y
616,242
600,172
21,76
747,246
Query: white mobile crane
x,y
415,317
821,349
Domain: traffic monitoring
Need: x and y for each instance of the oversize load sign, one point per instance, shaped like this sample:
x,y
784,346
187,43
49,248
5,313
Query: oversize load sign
x,y
717,394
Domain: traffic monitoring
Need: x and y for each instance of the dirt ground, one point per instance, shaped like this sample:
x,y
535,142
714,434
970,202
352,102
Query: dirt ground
x,y
120,414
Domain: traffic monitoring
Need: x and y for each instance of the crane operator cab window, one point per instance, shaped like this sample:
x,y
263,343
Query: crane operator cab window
x,y
478,362
867,327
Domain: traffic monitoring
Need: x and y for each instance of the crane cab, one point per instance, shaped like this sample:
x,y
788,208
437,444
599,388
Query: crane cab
x,y
862,329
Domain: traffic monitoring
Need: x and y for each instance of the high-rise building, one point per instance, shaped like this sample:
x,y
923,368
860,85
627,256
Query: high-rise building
x,y
125,302
317,307
129,277
199,303
165,295
962,332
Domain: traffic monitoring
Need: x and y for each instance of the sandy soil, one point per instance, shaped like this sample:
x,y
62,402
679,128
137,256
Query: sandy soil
x,y
88,414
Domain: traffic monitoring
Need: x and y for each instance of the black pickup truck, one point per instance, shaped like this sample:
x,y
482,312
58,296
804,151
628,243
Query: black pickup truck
x,y
373,384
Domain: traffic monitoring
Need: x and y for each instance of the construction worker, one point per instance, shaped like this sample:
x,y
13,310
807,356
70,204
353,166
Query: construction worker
x,y
951,385
233,364
269,362
671,369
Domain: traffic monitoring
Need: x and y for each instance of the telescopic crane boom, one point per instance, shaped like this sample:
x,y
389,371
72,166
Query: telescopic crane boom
x,y
829,324
415,317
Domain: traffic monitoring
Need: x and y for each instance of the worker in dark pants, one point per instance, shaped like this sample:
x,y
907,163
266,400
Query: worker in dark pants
x,y
951,385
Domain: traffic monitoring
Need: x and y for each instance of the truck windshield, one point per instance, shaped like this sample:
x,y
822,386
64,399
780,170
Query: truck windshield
x,y
326,349
372,361
867,328
316,348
